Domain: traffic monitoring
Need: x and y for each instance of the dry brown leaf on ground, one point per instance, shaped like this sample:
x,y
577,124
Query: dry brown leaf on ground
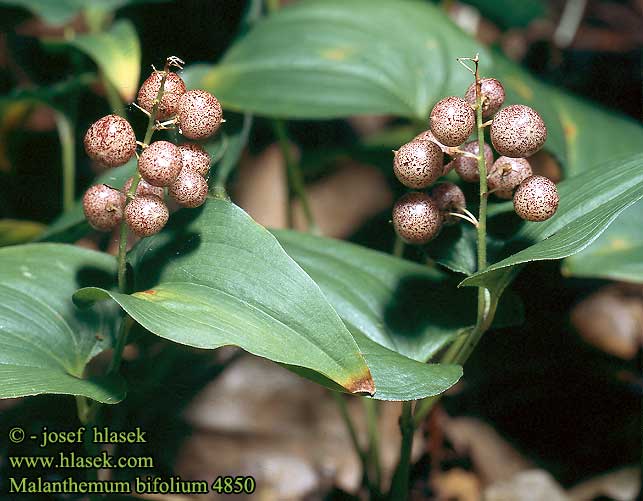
x,y
260,419
612,320
531,485
346,199
619,485
456,485
494,459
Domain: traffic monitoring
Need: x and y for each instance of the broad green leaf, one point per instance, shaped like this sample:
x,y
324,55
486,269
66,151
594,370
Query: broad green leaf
x,y
332,58
117,53
214,277
589,202
71,225
57,12
14,231
617,254
407,308
45,341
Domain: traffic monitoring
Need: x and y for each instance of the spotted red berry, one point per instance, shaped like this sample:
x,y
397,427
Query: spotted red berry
x,y
416,218
190,189
143,188
518,131
173,89
452,120
160,163
449,198
536,199
507,173
110,141
418,164
493,95
195,158
467,167
146,215
200,114
103,207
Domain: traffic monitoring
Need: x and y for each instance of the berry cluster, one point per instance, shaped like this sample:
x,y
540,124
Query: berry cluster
x,y
516,132
182,169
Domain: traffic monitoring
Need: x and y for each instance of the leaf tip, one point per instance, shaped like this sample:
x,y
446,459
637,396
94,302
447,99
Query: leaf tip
x,y
362,386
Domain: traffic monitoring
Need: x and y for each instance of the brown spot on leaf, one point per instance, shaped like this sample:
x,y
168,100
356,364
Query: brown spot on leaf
x,y
149,291
364,384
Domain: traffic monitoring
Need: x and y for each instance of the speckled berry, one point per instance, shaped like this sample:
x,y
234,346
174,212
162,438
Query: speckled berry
x,y
467,167
160,163
536,199
518,131
416,218
190,189
493,95
195,158
449,198
110,141
103,207
146,215
173,89
418,164
507,173
143,188
452,121
200,114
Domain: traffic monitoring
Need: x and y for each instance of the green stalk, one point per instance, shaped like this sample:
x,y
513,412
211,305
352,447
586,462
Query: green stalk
x,y
295,176
127,321
68,157
400,483
462,347
370,406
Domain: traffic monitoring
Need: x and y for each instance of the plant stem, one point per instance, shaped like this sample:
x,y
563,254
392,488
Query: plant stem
x,y
400,482
370,406
122,242
68,157
350,427
398,246
295,176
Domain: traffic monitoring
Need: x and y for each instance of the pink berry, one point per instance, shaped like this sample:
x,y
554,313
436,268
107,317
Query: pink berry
x,y
146,215
103,207
507,173
536,199
418,164
416,218
190,189
195,158
452,120
173,89
467,167
143,188
110,141
200,114
518,131
160,163
493,95
427,135
449,198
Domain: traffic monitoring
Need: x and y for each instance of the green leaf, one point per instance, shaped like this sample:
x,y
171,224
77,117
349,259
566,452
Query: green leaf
x,y
45,342
58,12
71,225
589,202
14,231
117,52
332,58
410,309
214,277
617,254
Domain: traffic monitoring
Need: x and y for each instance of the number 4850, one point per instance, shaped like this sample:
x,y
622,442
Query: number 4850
x,y
234,485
